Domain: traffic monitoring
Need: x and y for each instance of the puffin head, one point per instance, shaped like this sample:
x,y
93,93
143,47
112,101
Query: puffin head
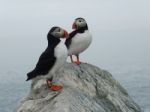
x,y
58,32
79,23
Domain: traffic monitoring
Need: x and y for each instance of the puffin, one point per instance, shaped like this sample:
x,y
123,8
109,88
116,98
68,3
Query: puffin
x,y
53,58
79,39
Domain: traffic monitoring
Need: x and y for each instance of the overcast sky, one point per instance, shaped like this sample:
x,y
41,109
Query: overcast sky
x,y
120,29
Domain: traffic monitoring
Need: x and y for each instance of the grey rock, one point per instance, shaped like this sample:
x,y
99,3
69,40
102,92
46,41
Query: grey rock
x,y
86,89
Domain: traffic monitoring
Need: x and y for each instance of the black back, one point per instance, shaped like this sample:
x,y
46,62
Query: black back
x,y
46,60
73,33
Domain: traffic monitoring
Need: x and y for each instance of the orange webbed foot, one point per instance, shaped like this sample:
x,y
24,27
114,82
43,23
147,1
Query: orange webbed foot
x,y
77,62
54,87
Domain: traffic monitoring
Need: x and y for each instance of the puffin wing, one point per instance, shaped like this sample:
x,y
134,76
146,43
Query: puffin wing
x,y
69,39
44,65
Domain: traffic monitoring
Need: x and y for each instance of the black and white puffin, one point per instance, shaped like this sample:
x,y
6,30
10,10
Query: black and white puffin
x,y
79,39
52,58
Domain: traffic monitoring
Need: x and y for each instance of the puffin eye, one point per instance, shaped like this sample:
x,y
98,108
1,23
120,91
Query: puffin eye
x,y
80,21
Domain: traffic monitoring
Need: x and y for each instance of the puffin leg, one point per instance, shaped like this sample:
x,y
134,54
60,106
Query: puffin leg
x,y
71,58
78,60
53,87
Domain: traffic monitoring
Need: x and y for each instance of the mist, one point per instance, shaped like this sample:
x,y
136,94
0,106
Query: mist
x,y
120,30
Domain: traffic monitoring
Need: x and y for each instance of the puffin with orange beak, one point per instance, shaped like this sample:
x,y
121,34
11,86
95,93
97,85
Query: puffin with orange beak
x,y
52,59
78,40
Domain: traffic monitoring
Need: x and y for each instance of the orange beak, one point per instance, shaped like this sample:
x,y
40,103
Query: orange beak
x,y
74,26
66,34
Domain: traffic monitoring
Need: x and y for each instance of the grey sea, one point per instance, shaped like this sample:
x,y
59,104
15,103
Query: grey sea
x,y
134,77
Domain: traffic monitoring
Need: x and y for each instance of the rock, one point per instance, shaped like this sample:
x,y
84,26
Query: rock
x,y
86,89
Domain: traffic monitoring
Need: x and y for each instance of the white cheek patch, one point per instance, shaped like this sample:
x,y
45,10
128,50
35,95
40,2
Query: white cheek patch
x,y
83,24
53,33
62,33
56,34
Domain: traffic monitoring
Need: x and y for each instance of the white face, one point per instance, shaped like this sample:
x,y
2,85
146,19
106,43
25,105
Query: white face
x,y
80,23
58,32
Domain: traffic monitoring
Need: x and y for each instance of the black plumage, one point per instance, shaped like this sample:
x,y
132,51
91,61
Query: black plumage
x,y
47,58
73,33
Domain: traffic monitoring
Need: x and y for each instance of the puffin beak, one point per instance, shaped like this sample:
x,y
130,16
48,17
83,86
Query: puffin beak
x,y
65,34
74,26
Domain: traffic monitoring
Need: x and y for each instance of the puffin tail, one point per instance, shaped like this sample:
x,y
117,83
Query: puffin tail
x,y
31,75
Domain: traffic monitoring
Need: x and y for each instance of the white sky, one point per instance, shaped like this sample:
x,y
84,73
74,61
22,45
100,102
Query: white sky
x,y
120,29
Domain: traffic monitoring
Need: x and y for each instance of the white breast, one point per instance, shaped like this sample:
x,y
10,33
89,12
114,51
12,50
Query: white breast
x,y
60,53
79,43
